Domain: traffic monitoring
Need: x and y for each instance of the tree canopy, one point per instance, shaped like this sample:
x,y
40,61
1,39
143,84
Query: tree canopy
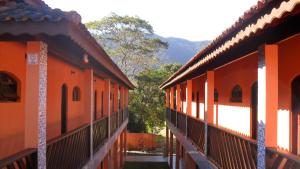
x,y
147,101
130,42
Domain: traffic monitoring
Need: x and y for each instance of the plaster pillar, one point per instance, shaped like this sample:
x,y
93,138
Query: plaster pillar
x,y
106,102
36,99
121,148
116,98
167,91
172,91
177,153
209,104
89,104
178,98
125,147
189,96
267,101
122,100
167,142
171,149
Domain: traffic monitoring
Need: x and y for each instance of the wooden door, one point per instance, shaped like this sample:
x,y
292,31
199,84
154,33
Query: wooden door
x,y
254,99
64,108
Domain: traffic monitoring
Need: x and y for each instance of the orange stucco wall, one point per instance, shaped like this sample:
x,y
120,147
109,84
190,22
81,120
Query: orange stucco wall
x,y
60,73
289,59
141,141
198,87
12,116
99,87
243,72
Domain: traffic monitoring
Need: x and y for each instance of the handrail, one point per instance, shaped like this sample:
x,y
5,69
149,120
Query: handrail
x,y
284,154
97,120
63,136
276,157
233,133
29,154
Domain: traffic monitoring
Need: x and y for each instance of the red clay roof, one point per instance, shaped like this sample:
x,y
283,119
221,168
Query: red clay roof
x,y
253,20
22,11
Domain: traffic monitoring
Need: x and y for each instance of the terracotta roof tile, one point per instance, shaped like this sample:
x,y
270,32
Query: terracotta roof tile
x,y
24,12
241,29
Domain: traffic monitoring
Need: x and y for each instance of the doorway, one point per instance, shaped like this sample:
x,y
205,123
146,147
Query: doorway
x,y
295,115
254,95
64,108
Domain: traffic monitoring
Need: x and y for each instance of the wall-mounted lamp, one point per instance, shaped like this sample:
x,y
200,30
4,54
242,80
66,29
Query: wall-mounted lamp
x,y
85,58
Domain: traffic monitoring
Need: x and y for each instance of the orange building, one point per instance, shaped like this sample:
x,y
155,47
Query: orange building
x,y
236,103
63,101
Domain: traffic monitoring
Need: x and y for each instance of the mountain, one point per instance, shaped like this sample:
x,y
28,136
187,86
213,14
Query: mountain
x,y
180,50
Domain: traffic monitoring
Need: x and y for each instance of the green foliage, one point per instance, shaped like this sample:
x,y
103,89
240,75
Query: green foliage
x,y
129,41
147,101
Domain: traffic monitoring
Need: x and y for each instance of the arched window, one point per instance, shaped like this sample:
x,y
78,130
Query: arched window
x,y
8,88
76,93
236,94
216,95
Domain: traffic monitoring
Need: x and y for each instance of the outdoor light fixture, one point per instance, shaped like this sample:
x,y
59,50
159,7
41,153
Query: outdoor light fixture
x,y
85,58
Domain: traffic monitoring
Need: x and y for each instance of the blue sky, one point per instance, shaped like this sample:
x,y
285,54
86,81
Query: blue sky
x,y
189,19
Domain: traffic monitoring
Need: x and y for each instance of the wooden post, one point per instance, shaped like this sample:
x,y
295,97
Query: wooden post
x,y
267,100
167,142
36,100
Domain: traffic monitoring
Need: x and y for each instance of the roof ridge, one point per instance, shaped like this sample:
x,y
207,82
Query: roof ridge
x,y
240,22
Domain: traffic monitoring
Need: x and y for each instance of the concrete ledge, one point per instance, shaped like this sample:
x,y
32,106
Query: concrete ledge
x,y
199,158
103,151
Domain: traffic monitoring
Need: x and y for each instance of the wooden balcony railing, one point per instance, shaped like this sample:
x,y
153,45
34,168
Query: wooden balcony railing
x,y
126,114
113,123
281,159
228,150
173,117
69,151
168,114
196,132
100,133
181,122
120,117
26,159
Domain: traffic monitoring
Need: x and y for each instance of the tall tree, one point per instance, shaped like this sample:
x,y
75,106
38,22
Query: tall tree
x,y
147,101
129,41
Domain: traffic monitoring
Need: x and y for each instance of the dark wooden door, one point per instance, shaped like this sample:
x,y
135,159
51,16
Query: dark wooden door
x,y
254,99
102,108
295,115
64,108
